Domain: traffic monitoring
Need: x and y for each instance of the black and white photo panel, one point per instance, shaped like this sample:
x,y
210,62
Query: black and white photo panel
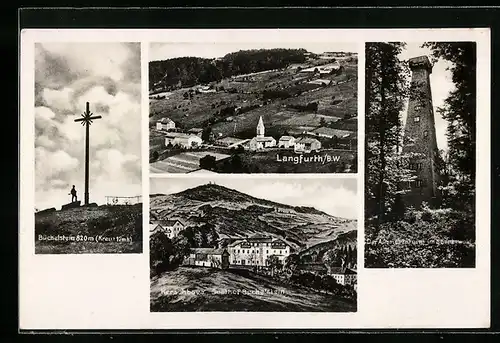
x,y
260,107
266,245
420,157
88,196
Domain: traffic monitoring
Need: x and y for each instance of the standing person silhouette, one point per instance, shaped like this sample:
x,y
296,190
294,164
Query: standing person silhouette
x,y
73,194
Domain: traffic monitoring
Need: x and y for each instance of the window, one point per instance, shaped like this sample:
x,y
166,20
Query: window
x,y
426,134
417,107
416,119
419,166
418,183
267,252
238,251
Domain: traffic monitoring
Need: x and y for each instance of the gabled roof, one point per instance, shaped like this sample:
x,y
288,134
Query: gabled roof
x,y
208,251
286,138
306,140
166,120
167,222
264,139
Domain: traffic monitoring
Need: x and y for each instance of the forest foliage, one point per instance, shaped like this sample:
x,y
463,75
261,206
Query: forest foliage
x,y
400,236
189,71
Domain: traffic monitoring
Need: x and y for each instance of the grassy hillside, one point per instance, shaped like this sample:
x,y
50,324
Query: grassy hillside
x,y
236,214
198,289
102,229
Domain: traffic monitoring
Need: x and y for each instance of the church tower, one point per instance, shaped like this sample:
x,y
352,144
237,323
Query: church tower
x,y
260,128
420,137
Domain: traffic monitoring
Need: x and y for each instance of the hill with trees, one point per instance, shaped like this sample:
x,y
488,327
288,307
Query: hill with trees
x,y
184,72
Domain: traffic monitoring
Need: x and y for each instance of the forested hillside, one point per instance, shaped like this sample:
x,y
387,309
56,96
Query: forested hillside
x,y
188,71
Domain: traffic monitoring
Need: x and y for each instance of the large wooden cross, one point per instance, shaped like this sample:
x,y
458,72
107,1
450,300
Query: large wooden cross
x,y
87,120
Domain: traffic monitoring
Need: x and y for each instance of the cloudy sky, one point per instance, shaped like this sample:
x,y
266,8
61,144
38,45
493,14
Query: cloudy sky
x,y
67,76
333,196
163,51
441,85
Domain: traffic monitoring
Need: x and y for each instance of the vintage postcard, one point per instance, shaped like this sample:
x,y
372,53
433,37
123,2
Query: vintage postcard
x,y
87,117
254,179
264,245
260,107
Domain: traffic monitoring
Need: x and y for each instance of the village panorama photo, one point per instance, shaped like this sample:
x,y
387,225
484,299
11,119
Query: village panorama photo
x,y
261,245
267,107
87,148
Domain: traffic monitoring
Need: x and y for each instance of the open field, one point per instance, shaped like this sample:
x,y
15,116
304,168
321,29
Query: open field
x,y
184,162
203,289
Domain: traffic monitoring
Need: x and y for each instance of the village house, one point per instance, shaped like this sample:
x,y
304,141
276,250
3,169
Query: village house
x,y
260,141
343,276
286,142
195,131
170,227
185,140
307,144
255,251
208,257
165,124
330,133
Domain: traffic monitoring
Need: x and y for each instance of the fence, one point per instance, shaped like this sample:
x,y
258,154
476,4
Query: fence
x,y
116,200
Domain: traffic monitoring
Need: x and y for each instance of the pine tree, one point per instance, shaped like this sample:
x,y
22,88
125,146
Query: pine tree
x,y
459,110
386,91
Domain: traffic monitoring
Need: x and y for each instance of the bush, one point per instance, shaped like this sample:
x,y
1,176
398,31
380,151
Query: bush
x,y
428,238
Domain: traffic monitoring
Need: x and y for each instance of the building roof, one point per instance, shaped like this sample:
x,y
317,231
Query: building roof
x,y
235,243
264,139
230,140
320,81
208,251
332,132
340,270
196,130
181,135
167,222
306,140
286,138
314,267
166,120
177,135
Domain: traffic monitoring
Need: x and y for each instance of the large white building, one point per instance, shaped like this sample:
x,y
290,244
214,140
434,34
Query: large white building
x,y
185,140
255,251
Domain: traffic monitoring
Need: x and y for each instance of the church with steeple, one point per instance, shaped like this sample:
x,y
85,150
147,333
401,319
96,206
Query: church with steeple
x,y
260,141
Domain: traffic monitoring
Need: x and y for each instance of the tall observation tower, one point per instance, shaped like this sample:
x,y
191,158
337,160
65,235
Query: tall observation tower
x,y
420,136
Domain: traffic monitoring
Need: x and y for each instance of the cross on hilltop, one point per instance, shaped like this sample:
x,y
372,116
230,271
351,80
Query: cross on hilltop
x,y
87,121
